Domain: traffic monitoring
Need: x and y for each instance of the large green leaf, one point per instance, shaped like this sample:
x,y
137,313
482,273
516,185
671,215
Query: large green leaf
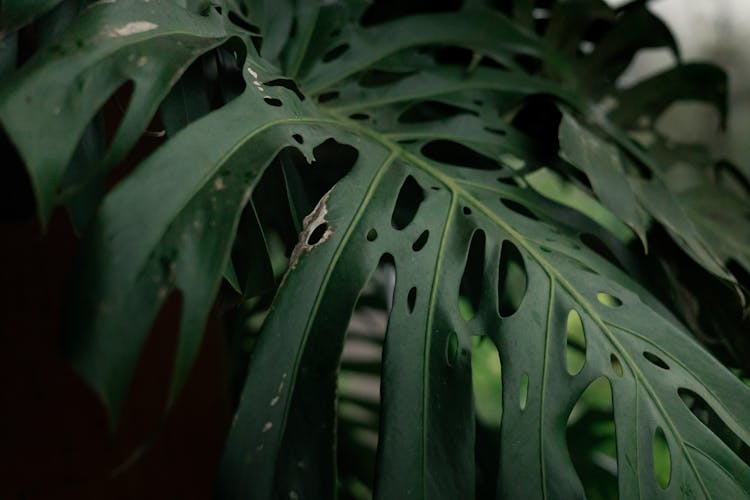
x,y
446,113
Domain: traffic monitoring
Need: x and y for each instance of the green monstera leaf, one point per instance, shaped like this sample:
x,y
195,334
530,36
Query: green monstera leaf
x,y
462,124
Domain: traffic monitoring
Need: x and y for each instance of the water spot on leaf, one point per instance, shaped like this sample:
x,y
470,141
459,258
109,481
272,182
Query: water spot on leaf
x,y
575,353
523,391
470,289
608,299
655,360
662,459
410,197
131,28
421,241
511,280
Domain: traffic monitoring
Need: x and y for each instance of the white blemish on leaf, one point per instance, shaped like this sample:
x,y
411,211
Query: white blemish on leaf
x,y
275,400
142,61
267,426
253,73
219,184
293,495
132,28
316,218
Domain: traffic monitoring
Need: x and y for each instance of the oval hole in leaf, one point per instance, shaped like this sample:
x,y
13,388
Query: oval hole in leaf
x,y
457,154
411,299
709,418
328,96
575,352
655,360
518,208
360,381
511,281
410,197
335,52
451,349
430,110
421,241
591,439
614,362
486,378
467,211
597,246
372,235
298,138
470,289
272,101
523,391
317,234
287,84
359,116
662,459
608,299
487,384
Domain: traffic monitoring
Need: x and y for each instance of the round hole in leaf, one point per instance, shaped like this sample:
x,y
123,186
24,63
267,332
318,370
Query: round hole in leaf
x,y
298,138
372,235
608,300
467,211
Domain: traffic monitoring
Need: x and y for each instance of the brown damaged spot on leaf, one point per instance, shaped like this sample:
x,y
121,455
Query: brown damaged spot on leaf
x,y
315,231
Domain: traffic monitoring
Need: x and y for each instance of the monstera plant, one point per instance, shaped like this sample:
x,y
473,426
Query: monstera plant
x,y
461,197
